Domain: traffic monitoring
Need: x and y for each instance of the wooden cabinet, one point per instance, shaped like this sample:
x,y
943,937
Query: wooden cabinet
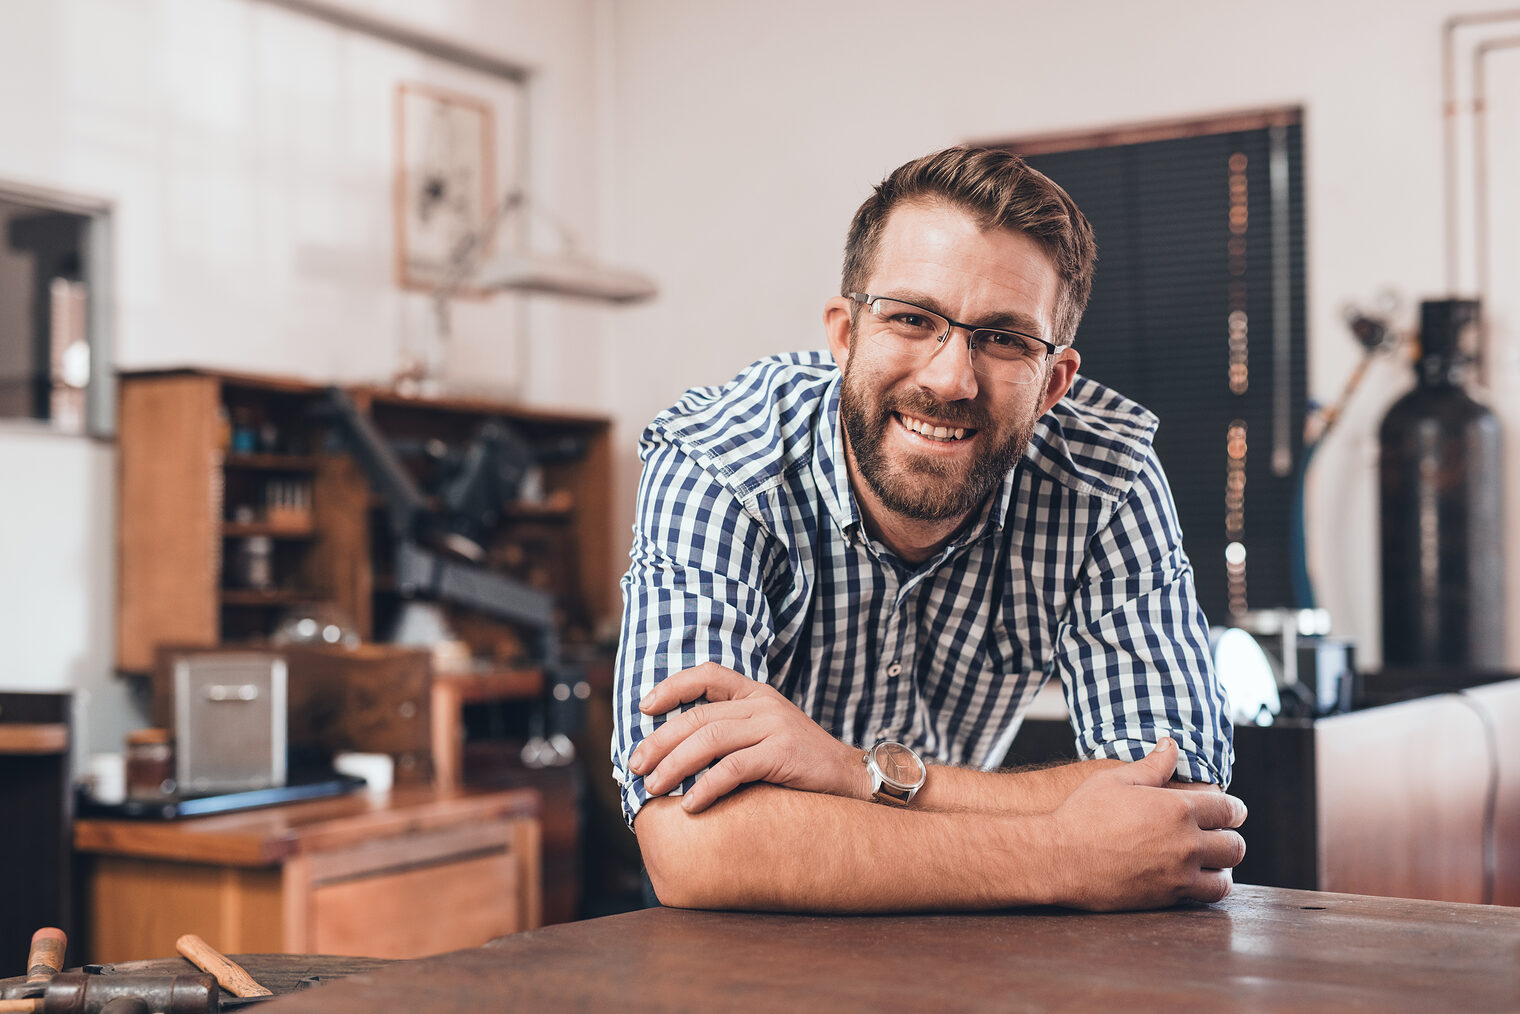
x,y
237,506
412,873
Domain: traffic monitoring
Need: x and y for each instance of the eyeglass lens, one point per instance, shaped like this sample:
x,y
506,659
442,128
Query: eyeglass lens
x,y
912,330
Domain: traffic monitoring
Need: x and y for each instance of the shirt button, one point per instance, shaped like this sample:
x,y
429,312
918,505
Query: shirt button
x,y
895,669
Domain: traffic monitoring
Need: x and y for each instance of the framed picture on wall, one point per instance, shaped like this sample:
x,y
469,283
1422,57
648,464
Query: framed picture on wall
x,y
445,179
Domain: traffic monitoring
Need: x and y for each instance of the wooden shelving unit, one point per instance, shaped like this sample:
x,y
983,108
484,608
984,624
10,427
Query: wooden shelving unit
x,y
206,558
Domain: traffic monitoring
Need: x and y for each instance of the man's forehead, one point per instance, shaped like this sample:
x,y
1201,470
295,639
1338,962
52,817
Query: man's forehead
x,y
929,244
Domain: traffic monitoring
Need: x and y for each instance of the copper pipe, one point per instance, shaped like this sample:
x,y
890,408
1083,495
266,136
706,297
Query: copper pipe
x,y
1449,113
1480,193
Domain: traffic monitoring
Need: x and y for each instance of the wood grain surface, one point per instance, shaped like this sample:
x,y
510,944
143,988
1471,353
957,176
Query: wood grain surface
x,y
268,836
1262,949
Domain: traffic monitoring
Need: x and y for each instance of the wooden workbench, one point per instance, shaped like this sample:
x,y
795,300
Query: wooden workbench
x,y
400,875
1262,949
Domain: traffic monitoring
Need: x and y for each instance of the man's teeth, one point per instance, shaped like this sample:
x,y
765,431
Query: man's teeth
x,y
935,432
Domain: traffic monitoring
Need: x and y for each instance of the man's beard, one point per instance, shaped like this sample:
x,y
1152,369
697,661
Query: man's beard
x,y
917,487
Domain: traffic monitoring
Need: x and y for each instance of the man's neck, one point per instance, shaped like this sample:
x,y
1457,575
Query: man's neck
x,y
913,540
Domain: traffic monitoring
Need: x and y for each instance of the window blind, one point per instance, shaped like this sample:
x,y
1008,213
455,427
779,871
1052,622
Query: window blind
x,y
1198,313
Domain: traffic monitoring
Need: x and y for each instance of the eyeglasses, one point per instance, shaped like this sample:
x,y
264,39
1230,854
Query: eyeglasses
x,y
1009,356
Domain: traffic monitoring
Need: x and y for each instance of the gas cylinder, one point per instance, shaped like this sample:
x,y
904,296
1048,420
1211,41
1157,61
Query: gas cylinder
x,y
1441,506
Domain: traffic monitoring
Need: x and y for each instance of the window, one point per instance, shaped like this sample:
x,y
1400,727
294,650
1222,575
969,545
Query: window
x,y
52,325
1198,313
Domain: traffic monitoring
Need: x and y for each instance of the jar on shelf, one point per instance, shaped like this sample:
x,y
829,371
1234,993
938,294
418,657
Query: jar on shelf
x,y
253,563
150,765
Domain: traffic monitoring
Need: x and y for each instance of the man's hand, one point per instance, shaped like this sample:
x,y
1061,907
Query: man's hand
x,y
746,732
1130,840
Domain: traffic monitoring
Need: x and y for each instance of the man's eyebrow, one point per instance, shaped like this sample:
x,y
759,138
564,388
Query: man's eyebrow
x,y
1007,320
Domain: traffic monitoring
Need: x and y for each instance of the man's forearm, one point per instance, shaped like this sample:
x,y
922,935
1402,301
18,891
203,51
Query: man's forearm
x,y
770,848
1014,793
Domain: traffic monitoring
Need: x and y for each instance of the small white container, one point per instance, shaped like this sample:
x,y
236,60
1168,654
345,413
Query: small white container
x,y
378,769
108,778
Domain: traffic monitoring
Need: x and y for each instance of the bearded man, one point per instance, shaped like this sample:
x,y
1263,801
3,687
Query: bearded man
x,y
851,573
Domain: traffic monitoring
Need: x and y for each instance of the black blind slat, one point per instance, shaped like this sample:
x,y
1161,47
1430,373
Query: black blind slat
x,y
1157,329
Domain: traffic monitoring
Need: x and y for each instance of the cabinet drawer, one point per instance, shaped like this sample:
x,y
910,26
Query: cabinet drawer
x,y
419,848
418,911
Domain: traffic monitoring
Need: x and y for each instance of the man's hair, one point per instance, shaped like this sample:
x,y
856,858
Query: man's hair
x,y
999,190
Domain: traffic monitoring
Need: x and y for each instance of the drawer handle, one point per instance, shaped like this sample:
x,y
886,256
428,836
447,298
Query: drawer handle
x,y
233,692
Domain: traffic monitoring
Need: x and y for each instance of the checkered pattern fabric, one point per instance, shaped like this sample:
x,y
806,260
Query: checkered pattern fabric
x,y
749,551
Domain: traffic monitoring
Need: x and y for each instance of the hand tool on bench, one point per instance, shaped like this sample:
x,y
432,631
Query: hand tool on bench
x,y
130,993
43,961
233,977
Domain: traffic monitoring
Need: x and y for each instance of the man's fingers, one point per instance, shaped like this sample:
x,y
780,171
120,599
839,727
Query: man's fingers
x,y
1222,850
701,749
724,777
677,730
709,680
1155,768
1210,886
1216,810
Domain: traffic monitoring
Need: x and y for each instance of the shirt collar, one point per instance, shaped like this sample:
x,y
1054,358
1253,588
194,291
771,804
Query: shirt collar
x,y
831,470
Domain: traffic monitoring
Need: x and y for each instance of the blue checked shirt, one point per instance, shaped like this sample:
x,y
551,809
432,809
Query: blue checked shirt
x,y
749,551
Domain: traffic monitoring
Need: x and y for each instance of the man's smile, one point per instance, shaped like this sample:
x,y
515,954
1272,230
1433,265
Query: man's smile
x,y
932,431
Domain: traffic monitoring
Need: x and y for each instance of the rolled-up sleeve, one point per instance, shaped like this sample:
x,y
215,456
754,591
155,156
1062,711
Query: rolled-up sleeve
x,y
692,594
1134,656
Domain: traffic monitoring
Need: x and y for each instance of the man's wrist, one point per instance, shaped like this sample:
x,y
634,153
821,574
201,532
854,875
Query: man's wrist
x,y
857,776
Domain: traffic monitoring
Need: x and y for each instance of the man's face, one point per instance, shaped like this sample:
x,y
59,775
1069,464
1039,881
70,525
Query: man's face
x,y
936,256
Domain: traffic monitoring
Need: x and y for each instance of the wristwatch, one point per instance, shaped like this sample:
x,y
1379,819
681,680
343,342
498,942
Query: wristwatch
x,y
896,773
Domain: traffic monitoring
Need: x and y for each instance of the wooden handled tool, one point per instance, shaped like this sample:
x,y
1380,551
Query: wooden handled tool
x,y
43,961
46,957
230,974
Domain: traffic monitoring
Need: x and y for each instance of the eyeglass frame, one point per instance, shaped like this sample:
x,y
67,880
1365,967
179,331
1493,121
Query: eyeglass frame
x,y
1051,348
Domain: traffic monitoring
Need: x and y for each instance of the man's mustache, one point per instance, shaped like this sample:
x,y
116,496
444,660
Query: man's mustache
x,y
924,406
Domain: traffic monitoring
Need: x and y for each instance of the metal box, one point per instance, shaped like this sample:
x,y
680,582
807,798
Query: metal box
x,y
229,722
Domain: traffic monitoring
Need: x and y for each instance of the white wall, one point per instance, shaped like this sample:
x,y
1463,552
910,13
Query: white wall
x,y
247,152
746,134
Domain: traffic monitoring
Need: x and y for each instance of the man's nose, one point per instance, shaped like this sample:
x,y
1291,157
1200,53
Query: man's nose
x,y
947,372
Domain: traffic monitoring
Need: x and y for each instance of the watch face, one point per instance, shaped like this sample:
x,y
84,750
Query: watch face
x,y
899,765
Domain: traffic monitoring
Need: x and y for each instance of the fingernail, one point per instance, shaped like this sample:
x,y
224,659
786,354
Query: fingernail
x,y
636,762
686,803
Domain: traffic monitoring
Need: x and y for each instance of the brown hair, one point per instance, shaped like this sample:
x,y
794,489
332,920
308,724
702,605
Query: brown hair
x,y
999,190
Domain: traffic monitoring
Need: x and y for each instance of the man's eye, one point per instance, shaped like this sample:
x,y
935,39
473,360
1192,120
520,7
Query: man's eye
x,y
913,320
1007,341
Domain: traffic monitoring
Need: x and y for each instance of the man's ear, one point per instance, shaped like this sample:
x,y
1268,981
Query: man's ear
x,y
1062,372
836,327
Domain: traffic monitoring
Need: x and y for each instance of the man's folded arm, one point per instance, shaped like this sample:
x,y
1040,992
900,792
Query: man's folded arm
x,y
770,848
1121,840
